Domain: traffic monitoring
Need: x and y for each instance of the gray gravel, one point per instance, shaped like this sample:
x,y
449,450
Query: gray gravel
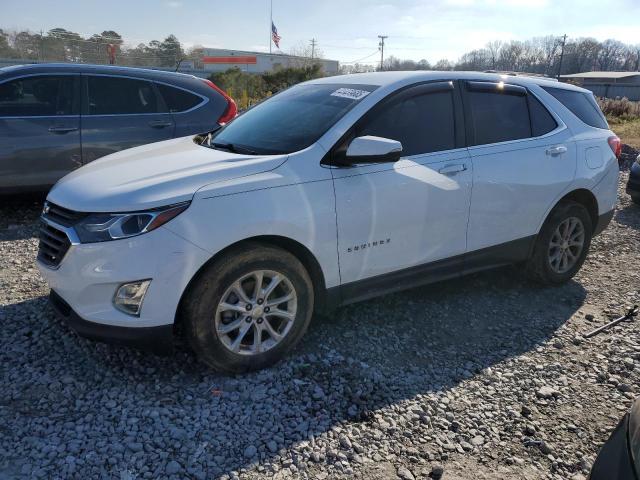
x,y
484,377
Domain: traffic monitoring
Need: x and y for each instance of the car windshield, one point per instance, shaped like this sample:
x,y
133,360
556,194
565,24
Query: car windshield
x,y
291,120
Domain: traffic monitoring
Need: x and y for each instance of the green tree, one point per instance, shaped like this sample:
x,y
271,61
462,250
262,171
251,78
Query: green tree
x,y
62,45
94,49
5,49
170,52
27,45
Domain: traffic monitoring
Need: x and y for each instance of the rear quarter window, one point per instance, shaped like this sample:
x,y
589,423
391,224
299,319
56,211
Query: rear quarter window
x,y
178,100
581,104
542,122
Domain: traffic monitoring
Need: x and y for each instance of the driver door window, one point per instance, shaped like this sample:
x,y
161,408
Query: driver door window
x,y
423,123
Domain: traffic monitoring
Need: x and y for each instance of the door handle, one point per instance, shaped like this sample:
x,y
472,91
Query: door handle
x,y
61,130
557,150
160,124
453,169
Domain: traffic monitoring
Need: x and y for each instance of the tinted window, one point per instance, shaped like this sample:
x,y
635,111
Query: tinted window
x,y
37,96
112,95
541,120
582,105
499,117
423,123
178,100
293,119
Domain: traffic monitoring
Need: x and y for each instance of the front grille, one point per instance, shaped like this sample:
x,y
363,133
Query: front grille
x,y
62,216
54,244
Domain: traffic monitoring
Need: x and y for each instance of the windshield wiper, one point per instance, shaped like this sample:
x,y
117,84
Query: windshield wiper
x,y
233,148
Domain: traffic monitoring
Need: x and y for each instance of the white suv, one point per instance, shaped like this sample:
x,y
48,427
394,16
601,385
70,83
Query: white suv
x,y
333,191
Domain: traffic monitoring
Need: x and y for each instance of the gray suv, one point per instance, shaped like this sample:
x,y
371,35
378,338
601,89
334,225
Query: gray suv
x,y
55,118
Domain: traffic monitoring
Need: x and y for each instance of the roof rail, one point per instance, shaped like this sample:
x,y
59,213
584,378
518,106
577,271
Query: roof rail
x,y
522,74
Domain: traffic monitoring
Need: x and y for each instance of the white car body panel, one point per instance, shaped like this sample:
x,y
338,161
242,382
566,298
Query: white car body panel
x,y
157,175
514,184
294,201
394,216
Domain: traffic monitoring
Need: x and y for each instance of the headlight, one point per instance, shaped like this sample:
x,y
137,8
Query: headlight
x,y
102,227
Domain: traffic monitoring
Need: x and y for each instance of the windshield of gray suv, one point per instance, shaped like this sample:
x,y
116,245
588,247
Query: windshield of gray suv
x,y
291,120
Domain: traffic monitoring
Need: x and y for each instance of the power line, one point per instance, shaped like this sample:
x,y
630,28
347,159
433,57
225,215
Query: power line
x,y
363,58
345,47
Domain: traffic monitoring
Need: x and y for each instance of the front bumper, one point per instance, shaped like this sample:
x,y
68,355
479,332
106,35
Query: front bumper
x,y
89,275
158,340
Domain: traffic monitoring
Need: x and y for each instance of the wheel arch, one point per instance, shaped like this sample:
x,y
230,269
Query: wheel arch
x,y
297,249
586,198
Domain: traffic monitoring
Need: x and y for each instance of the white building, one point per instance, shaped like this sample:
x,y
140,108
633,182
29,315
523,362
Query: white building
x,y
220,60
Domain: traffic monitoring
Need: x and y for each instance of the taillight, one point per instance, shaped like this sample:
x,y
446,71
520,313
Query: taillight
x,y
231,111
616,145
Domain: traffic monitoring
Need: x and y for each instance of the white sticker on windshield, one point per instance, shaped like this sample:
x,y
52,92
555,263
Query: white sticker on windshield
x,y
351,93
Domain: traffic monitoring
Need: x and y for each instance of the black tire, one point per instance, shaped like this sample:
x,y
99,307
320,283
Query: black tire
x,y
538,267
635,199
205,293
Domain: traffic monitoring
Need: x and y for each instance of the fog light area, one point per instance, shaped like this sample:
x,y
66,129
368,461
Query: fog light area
x,y
129,297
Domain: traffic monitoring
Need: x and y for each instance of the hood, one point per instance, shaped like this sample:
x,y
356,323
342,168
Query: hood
x,y
152,176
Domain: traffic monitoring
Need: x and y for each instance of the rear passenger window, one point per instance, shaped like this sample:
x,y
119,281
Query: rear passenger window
x,y
541,120
499,116
113,96
423,123
582,105
37,96
178,100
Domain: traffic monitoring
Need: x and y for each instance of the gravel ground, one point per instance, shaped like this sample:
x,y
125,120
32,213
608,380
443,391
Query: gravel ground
x,y
486,377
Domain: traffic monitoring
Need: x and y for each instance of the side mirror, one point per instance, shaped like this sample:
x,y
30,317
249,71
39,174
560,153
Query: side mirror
x,y
370,149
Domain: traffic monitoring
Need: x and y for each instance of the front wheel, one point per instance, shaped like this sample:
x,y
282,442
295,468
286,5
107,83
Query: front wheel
x,y
249,308
562,244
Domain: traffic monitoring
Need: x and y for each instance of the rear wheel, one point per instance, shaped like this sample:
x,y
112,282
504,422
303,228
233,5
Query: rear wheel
x,y
249,308
562,244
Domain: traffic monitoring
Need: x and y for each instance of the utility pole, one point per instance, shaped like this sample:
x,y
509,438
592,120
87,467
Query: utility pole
x,y
313,43
564,40
41,49
381,45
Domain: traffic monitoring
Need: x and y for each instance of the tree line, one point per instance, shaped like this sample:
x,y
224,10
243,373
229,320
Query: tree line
x,y
541,55
61,45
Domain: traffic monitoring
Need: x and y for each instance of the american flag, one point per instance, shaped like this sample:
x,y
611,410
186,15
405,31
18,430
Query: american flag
x,y
274,35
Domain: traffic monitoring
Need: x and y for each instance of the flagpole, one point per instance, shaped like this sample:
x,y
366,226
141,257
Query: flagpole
x,y
270,25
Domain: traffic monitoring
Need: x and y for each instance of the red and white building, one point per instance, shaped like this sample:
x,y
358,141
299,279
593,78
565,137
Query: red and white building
x,y
220,60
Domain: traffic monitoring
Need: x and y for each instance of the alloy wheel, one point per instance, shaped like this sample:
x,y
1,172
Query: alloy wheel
x,y
256,312
566,245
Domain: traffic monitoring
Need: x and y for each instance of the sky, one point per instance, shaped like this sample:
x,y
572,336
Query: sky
x,y
345,30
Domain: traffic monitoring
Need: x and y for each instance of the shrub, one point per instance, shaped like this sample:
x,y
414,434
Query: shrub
x,y
619,109
250,88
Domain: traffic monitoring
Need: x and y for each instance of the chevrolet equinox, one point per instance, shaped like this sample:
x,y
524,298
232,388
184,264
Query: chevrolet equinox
x,y
333,191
